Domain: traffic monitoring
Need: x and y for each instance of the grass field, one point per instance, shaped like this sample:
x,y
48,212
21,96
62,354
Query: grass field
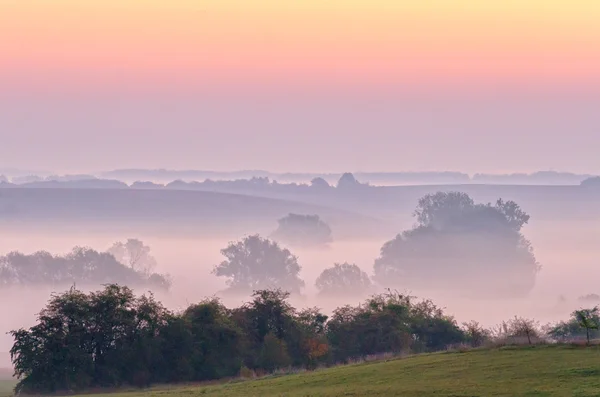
x,y
6,387
529,371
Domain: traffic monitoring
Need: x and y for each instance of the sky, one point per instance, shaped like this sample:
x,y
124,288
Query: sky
x,y
300,85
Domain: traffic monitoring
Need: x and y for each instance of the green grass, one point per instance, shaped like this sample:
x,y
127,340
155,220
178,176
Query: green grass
x,y
6,387
530,371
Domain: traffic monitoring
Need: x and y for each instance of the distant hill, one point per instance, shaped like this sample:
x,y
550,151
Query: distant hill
x,y
374,178
164,211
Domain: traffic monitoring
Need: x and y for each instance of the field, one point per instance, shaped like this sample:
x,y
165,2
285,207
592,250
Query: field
x,y
6,387
528,371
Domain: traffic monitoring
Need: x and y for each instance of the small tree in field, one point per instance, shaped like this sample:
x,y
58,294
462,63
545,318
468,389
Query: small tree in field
x,y
588,319
524,328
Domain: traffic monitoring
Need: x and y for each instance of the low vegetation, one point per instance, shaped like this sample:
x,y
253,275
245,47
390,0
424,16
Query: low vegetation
x,y
509,372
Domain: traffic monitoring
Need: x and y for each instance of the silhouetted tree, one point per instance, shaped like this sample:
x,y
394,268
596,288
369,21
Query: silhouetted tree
x,y
460,242
348,182
592,182
106,338
111,338
303,230
390,322
342,280
256,263
135,254
82,265
319,183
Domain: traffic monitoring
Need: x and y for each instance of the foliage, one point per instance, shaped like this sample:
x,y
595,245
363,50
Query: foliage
x,y
520,327
319,183
583,323
343,279
111,338
104,338
256,263
390,322
348,182
461,242
518,372
82,266
303,230
475,334
591,182
134,254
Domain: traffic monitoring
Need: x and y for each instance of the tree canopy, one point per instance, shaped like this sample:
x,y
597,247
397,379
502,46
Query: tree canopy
x,y
82,266
134,254
462,245
256,263
342,280
303,230
112,338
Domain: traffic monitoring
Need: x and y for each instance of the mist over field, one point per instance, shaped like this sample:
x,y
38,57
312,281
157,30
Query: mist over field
x,y
564,240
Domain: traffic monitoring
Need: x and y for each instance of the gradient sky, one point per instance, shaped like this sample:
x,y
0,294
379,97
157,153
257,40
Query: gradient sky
x,y
300,85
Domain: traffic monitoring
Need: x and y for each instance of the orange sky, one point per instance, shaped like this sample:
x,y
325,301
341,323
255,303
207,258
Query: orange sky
x,y
318,41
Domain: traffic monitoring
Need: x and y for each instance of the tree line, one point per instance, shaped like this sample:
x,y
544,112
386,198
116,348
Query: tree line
x,y
455,243
112,338
129,263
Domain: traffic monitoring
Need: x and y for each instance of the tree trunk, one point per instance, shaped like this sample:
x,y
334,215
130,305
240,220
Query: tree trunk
x,y
587,332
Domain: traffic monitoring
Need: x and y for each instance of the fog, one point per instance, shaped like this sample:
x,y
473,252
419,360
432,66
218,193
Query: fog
x,y
566,250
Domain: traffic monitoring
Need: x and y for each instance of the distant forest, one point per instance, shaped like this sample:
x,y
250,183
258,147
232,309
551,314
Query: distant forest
x,y
164,176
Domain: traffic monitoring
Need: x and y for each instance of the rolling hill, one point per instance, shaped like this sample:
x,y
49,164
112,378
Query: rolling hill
x,y
163,211
510,372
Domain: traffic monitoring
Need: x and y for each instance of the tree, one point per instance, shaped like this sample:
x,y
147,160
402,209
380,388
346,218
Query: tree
x,y
135,254
102,339
588,319
592,182
82,266
343,279
520,327
475,333
458,243
348,182
319,183
216,341
256,263
303,230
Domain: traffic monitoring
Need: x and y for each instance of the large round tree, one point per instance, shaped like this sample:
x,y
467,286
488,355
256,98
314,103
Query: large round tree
x,y
303,231
458,244
256,263
343,279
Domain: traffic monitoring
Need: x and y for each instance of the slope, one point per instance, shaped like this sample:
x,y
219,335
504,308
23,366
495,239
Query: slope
x,y
527,371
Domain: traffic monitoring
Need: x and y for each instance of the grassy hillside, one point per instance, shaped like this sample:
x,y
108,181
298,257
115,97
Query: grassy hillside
x,y
535,371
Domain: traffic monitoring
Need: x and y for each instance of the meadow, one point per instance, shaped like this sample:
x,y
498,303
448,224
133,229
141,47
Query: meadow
x,y
511,371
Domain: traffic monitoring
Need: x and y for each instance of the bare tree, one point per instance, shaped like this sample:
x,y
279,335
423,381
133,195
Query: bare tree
x,y
135,254
524,327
